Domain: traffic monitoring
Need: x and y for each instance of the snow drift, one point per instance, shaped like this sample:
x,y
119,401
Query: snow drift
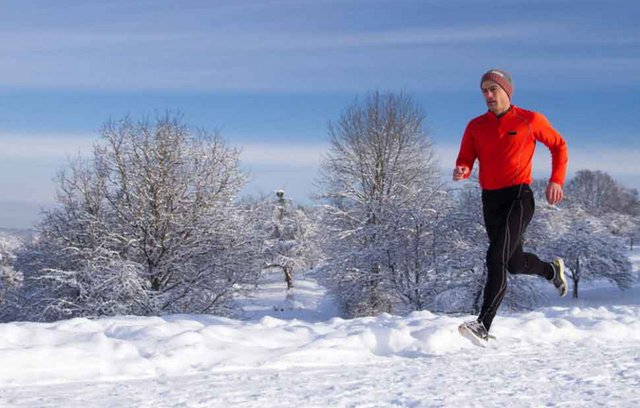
x,y
125,348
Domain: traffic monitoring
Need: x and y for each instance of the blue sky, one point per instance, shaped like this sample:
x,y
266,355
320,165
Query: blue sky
x,y
270,75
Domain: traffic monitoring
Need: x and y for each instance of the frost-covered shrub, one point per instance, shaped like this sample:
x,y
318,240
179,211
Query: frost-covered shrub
x,y
146,225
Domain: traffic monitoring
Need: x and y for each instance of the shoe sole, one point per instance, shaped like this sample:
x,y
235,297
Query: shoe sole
x,y
562,278
468,334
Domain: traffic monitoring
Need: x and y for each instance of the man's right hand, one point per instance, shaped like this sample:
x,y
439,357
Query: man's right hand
x,y
460,173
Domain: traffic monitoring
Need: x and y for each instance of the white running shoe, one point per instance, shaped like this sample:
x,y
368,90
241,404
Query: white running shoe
x,y
474,331
559,280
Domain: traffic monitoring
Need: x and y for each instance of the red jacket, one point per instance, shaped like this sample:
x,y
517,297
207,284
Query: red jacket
x,y
504,147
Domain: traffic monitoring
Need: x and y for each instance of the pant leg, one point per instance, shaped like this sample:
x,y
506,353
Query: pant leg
x,y
506,217
527,263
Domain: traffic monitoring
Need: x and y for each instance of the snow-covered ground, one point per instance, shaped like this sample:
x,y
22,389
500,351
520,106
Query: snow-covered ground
x,y
308,301
290,351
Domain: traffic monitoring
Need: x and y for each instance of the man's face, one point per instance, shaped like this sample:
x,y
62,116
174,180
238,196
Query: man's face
x,y
495,97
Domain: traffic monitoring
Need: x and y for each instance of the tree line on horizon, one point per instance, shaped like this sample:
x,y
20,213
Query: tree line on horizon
x,y
152,223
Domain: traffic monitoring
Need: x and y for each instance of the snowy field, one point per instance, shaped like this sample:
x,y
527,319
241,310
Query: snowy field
x,y
284,352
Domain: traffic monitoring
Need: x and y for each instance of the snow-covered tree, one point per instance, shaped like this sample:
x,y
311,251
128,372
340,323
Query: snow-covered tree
x,y
9,277
591,251
147,225
598,193
288,231
416,249
379,190
622,225
465,238
634,233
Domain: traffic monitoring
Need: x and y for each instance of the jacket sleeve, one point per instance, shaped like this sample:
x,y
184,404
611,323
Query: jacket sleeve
x,y
467,154
556,144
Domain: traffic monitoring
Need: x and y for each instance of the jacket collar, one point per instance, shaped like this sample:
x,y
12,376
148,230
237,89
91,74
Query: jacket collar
x,y
493,116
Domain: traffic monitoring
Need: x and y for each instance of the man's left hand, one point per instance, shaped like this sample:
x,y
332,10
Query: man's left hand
x,y
554,193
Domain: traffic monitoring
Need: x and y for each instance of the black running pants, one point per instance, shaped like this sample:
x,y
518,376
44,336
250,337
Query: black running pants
x,y
507,213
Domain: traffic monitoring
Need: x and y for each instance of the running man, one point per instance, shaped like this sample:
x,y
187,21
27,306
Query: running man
x,y
503,141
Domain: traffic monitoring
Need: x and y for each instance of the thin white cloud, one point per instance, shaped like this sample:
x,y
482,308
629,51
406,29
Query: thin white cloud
x,y
264,41
397,37
257,59
306,45
283,155
622,160
48,146
52,146
594,64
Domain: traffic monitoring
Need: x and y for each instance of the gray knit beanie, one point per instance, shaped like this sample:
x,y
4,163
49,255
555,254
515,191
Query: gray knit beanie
x,y
501,78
